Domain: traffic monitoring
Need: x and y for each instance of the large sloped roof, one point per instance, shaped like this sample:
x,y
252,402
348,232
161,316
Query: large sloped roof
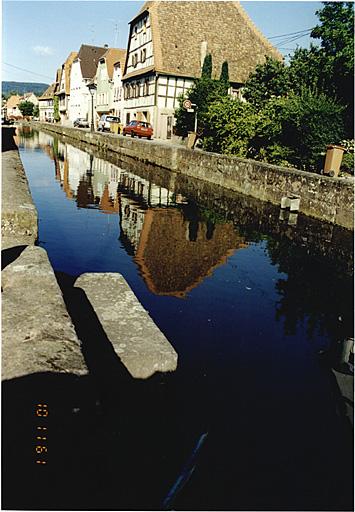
x,y
89,57
67,65
180,27
175,272
112,56
13,101
48,93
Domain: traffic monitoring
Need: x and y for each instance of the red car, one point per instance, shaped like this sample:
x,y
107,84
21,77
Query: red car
x,y
139,129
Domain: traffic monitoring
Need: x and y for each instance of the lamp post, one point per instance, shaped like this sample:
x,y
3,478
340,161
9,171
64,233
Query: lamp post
x,y
92,89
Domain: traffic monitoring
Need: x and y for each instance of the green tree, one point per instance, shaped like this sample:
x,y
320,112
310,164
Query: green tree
x,y
336,34
207,67
56,114
306,69
26,108
269,80
35,111
224,78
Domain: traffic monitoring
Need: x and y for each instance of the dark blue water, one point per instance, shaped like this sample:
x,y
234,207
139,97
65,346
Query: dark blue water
x,y
251,325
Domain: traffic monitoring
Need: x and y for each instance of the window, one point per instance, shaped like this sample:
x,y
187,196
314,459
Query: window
x,y
134,60
143,55
146,87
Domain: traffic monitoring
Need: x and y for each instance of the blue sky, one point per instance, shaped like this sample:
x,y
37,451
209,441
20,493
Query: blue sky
x,y
37,36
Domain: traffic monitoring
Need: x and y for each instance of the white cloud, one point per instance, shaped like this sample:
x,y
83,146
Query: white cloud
x,y
43,50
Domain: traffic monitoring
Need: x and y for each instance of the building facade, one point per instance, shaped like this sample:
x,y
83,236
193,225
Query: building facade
x,y
167,44
108,82
118,89
83,71
63,93
31,97
46,104
12,110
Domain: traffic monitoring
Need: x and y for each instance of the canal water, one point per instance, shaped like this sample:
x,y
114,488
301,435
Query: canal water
x,y
257,303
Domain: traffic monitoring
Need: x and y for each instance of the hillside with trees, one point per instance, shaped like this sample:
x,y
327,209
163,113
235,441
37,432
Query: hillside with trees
x,y
20,88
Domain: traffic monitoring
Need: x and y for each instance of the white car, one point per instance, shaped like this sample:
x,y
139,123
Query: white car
x,y
105,122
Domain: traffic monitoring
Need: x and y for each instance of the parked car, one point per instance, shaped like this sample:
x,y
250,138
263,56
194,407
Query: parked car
x,y
81,123
139,129
105,123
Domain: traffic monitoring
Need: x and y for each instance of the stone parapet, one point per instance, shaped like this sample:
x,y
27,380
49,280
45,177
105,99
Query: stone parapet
x,y
324,198
19,215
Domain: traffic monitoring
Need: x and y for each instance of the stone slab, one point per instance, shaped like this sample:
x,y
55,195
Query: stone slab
x,y
37,332
137,341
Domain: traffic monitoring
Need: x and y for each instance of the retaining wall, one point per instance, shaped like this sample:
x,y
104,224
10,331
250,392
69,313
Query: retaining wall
x,y
327,199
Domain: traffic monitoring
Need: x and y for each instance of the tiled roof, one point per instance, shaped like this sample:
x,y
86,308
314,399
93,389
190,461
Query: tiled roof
x,y
67,66
112,56
13,101
48,93
89,57
180,27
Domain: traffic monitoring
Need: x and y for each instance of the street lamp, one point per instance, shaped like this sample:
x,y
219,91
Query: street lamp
x,y
92,89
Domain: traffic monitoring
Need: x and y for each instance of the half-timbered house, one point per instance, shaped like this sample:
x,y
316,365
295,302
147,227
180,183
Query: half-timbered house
x,y
167,44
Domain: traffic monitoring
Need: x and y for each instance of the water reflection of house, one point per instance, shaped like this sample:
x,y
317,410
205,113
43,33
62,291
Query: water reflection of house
x,y
174,248
171,263
88,180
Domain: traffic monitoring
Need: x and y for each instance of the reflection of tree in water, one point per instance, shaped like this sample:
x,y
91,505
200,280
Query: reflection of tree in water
x,y
195,214
314,291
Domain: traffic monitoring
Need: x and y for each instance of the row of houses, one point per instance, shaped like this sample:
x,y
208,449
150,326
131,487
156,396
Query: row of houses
x,y
166,47
11,109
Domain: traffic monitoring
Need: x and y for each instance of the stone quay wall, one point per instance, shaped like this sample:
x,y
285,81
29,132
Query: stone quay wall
x,y
38,333
327,199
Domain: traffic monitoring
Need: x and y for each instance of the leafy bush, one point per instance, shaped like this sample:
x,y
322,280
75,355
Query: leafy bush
x,y
347,164
230,124
290,131
296,130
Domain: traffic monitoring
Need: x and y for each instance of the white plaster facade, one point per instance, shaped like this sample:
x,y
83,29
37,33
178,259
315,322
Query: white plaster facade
x,y
117,97
46,110
79,94
104,91
63,99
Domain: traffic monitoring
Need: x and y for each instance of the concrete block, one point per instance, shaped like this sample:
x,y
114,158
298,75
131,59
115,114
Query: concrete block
x,y
37,332
137,341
